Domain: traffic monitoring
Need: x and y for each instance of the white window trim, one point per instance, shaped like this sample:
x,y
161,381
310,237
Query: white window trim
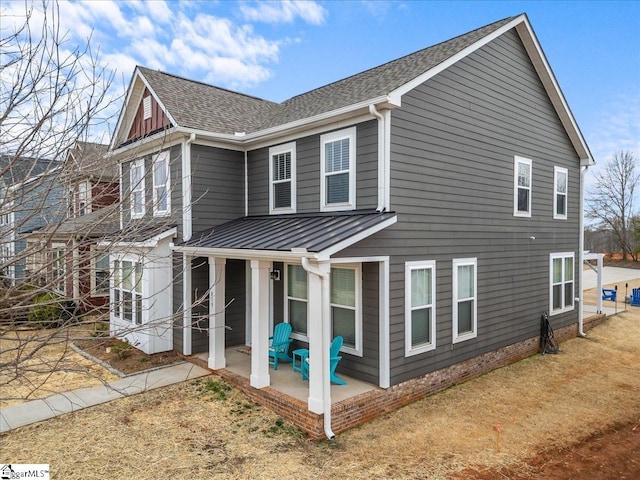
x,y
357,351
59,282
459,262
135,188
297,336
564,309
119,314
556,171
409,349
517,160
349,133
161,157
95,253
287,147
87,198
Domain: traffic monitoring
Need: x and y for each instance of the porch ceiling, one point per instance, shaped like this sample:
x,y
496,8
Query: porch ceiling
x,y
321,234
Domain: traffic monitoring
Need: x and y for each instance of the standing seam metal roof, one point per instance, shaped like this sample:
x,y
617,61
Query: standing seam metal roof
x,y
315,231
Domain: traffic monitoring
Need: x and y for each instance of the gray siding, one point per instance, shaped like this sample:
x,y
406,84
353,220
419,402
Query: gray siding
x,y
236,299
200,305
308,172
178,334
366,367
175,181
452,153
217,177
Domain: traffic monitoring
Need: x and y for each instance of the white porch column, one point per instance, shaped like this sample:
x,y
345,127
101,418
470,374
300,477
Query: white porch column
x,y
317,313
187,301
216,312
260,324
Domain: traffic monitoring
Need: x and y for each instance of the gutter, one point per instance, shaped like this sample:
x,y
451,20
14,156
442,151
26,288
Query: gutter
x,y
583,171
326,381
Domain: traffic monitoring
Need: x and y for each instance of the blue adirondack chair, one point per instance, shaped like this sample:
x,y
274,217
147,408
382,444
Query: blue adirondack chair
x,y
609,294
280,342
334,359
635,297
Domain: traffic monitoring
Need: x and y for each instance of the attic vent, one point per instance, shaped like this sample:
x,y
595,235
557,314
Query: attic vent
x,y
146,104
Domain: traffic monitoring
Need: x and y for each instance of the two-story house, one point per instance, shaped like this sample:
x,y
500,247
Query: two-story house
x,y
30,198
427,210
67,252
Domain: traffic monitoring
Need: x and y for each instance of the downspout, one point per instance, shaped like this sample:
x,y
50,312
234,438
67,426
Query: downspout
x,y
246,185
583,171
381,158
326,381
187,225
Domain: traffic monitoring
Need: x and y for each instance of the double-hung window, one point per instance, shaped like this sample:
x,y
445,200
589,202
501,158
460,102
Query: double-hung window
x,y
465,308
161,197
82,199
136,177
338,170
297,300
128,290
560,180
58,268
100,272
522,187
282,175
420,306
561,282
346,319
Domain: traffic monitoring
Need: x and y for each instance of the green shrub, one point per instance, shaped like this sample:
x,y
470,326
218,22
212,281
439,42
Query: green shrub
x,y
100,329
121,349
51,310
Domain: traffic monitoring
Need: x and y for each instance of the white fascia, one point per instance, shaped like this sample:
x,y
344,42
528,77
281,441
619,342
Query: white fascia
x,y
149,243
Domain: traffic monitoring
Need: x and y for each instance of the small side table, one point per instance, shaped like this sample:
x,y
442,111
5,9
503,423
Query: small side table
x,y
299,356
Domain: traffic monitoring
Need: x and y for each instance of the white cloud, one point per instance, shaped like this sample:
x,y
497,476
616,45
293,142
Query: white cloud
x,y
618,129
285,12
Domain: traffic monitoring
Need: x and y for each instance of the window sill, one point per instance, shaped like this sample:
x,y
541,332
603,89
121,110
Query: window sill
x,y
418,350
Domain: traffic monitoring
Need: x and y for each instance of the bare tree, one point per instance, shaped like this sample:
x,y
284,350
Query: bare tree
x,y
611,200
53,94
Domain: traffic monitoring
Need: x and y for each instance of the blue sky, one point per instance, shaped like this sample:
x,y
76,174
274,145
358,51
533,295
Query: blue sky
x,y
275,50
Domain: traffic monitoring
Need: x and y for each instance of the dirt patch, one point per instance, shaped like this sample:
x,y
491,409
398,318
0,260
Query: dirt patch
x,y
124,357
611,454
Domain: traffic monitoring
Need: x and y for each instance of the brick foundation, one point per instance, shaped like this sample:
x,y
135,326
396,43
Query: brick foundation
x,y
363,408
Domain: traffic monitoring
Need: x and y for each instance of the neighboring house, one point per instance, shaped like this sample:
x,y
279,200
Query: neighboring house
x,y
30,198
427,210
67,252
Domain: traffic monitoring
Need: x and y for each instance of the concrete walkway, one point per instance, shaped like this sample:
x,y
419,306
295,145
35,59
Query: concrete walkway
x,y
610,275
72,401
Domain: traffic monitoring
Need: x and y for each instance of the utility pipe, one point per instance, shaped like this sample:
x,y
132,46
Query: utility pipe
x,y
583,171
326,333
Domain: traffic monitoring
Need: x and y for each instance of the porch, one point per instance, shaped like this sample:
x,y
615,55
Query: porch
x,y
285,380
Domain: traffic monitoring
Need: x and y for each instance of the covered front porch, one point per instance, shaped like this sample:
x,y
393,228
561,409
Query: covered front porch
x,y
259,258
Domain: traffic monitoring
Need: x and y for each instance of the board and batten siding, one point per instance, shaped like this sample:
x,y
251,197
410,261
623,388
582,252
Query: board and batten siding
x,y
452,184
308,172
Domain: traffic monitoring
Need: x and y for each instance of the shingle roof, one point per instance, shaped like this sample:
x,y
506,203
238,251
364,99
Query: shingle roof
x,y
200,106
205,107
314,231
91,160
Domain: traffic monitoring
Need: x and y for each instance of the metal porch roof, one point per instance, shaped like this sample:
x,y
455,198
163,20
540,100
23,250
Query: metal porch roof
x,y
315,232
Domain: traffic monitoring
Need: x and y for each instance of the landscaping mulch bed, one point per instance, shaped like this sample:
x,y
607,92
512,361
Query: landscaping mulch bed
x,y
124,357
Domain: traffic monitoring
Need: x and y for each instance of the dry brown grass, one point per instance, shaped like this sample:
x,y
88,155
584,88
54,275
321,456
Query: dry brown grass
x,y
204,430
53,368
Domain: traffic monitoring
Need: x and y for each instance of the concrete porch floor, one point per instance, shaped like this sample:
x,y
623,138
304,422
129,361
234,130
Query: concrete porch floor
x,y
287,381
